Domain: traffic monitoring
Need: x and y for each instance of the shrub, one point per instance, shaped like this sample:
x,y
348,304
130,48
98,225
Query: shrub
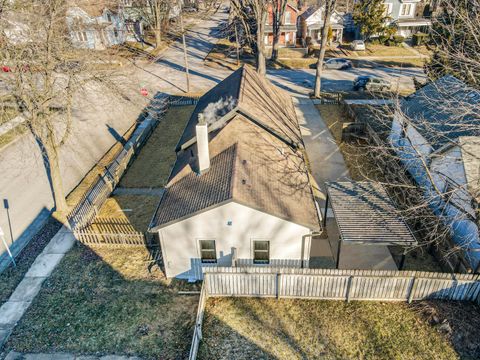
x,y
398,39
383,39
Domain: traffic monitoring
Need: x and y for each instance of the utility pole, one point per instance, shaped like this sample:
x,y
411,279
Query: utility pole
x,y
187,72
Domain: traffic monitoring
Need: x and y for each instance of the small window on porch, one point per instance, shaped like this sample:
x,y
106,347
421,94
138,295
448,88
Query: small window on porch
x,y
208,253
261,252
288,18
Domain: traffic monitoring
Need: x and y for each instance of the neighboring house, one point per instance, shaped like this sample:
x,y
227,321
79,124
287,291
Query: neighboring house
x,y
407,16
439,126
310,24
239,193
288,30
95,24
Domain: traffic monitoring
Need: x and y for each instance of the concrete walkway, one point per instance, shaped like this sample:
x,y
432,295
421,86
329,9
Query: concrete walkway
x,y
65,356
12,311
325,158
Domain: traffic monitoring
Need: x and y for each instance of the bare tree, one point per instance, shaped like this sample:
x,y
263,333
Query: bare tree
x,y
278,14
46,73
329,7
253,15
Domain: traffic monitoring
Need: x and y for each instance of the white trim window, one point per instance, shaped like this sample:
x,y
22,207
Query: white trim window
x,y
407,9
261,252
208,252
81,36
388,9
288,17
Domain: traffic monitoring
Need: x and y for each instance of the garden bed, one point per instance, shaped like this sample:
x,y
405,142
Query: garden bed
x,y
249,328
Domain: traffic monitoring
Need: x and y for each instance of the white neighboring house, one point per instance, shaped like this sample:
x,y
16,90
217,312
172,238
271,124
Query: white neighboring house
x,y
439,126
407,17
310,24
239,193
95,24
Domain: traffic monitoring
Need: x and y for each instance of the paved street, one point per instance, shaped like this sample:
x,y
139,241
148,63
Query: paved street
x,y
101,118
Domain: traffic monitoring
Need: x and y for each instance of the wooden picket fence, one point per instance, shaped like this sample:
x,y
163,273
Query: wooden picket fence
x,y
332,284
91,238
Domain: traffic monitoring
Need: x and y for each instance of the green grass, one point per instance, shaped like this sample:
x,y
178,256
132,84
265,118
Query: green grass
x,y
248,328
382,50
107,302
153,165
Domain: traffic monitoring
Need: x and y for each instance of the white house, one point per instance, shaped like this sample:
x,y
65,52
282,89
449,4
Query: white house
x,y
407,16
95,24
310,24
239,193
437,136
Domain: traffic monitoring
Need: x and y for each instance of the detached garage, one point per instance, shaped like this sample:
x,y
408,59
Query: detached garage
x,y
239,193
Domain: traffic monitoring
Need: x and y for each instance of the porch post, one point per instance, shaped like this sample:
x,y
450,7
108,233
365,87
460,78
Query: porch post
x,y
339,250
325,212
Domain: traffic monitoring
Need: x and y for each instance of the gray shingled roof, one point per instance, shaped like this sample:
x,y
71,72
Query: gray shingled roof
x,y
250,165
444,110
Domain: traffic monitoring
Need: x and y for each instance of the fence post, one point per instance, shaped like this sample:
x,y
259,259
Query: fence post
x,y
349,286
412,289
278,285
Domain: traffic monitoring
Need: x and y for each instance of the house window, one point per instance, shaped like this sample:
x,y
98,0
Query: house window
x,y
109,18
406,9
115,32
261,252
288,17
388,9
207,251
82,36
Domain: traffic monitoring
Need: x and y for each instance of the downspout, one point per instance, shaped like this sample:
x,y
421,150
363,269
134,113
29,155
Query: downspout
x,y
304,237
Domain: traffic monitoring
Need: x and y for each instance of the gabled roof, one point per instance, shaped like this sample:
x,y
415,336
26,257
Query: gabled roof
x,y
443,111
250,165
252,96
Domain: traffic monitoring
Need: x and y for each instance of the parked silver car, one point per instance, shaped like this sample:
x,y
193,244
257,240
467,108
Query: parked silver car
x,y
371,83
358,45
338,64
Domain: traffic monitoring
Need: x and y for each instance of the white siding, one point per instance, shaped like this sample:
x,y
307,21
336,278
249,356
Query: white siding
x,y
180,241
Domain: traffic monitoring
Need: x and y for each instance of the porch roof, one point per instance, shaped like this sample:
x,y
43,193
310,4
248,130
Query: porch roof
x,y
365,214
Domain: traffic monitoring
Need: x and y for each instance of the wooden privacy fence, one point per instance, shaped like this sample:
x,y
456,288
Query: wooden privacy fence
x,y
331,284
346,285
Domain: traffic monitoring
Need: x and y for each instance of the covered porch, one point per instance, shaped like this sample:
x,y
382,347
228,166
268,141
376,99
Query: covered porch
x,y
361,223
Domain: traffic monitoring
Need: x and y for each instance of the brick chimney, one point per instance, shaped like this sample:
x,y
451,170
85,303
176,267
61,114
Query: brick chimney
x,y
202,145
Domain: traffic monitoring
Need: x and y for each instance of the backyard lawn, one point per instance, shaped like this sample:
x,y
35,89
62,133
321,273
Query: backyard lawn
x,y
249,328
105,301
154,162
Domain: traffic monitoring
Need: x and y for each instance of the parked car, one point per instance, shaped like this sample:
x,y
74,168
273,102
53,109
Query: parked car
x,y
339,64
371,83
358,45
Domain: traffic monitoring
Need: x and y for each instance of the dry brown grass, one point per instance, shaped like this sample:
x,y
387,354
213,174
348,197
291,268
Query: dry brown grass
x,y
109,301
153,164
249,328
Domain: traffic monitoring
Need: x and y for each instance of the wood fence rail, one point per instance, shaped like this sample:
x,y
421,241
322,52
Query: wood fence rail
x,y
342,284
197,332
91,238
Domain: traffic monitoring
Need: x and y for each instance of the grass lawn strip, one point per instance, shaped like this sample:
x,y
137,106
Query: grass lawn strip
x,y
105,301
154,162
249,328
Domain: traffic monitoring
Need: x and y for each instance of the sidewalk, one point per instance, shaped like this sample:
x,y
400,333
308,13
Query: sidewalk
x,y
12,311
324,157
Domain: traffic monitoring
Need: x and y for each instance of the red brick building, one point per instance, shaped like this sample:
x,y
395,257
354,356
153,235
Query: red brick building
x,y
288,31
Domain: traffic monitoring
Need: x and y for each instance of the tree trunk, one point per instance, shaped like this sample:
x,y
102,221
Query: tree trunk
x,y
261,63
56,182
158,37
275,46
329,5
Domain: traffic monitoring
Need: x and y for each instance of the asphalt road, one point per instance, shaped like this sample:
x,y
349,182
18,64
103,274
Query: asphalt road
x,y
100,118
